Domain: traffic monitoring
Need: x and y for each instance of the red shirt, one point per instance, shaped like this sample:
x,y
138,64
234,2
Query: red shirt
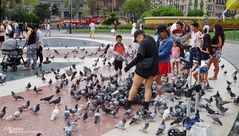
x,y
119,47
178,32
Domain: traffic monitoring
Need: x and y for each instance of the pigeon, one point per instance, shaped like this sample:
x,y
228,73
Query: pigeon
x,y
229,88
2,79
55,113
228,83
177,121
210,100
25,105
35,109
56,101
222,66
161,128
121,124
73,111
3,112
153,114
56,52
66,113
225,73
47,99
215,119
234,73
233,95
166,114
97,116
43,78
47,61
235,78
236,101
144,127
70,127
83,57
38,134
37,90
50,82
85,116
135,119
28,86
220,107
73,75
15,115
16,97
107,48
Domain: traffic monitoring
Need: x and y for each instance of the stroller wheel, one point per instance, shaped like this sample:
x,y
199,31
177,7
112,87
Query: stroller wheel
x,y
4,68
173,132
14,68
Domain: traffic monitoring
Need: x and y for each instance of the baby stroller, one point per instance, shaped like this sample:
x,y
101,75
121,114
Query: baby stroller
x,y
12,58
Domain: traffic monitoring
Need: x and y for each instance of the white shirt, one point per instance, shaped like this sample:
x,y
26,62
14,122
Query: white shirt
x,y
203,64
39,37
48,27
92,26
8,29
196,39
206,27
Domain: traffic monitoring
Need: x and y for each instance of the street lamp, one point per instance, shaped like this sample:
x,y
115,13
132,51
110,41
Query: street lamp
x,y
70,16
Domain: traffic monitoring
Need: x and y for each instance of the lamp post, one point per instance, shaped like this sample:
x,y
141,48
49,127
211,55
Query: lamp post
x,y
70,16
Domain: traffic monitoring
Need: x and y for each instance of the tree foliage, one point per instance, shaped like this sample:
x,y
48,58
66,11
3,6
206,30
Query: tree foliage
x,y
135,8
42,11
195,12
111,19
162,11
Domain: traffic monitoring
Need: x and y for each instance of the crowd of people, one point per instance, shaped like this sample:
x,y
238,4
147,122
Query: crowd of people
x,y
175,50
9,33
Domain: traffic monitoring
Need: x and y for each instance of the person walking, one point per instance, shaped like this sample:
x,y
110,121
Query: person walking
x,y
146,63
92,30
217,43
31,47
48,29
39,43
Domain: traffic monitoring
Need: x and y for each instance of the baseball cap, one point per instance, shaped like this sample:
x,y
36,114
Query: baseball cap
x,y
136,33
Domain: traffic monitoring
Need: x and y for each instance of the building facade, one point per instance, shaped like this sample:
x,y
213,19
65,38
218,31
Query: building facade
x,y
103,7
79,7
210,7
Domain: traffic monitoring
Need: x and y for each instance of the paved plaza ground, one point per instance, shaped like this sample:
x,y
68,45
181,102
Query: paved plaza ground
x,y
29,124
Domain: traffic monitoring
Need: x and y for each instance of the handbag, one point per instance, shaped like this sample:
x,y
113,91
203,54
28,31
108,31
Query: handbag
x,y
145,63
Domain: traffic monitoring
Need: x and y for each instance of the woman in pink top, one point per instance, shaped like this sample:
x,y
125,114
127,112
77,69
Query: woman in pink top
x,y
175,57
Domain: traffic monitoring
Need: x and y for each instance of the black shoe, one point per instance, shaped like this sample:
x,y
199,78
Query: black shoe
x,y
127,105
39,65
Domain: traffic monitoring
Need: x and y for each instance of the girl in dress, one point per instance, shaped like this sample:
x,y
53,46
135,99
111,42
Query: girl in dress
x,y
175,57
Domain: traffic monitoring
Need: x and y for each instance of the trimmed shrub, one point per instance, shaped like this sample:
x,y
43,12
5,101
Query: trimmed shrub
x,y
195,13
163,11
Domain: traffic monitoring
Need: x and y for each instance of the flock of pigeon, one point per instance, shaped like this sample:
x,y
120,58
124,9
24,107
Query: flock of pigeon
x,y
107,94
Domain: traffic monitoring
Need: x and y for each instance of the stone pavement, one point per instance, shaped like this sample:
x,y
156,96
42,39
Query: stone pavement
x,y
40,123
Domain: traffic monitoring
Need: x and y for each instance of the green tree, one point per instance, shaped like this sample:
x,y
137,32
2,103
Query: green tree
x,y
42,11
31,17
162,11
195,12
135,8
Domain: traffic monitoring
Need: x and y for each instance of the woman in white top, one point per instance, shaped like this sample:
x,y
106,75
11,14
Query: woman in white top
x,y
133,28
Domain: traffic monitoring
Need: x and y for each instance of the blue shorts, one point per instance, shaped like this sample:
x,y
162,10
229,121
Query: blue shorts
x,y
203,70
